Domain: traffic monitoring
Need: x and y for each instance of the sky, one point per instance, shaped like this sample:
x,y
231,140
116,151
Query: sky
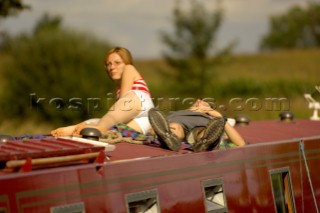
x,y
135,24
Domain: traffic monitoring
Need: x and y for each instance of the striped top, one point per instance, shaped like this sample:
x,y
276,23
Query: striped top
x,y
137,85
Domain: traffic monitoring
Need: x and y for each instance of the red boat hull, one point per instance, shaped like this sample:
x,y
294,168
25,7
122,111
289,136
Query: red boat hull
x,y
177,178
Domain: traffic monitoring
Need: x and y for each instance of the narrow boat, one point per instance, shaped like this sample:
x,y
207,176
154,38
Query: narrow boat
x,y
278,171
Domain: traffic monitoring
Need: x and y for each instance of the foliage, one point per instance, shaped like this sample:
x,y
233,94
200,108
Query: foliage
x,y
190,46
298,28
247,87
279,74
53,73
9,7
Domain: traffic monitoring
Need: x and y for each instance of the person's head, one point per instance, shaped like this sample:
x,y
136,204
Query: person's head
x,y
115,61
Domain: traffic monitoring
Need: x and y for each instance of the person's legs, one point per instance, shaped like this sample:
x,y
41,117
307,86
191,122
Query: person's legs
x,y
134,125
195,134
161,127
177,129
123,111
66,131
210,135
63,131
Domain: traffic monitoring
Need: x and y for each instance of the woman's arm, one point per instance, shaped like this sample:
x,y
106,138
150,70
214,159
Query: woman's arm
x,y
129,75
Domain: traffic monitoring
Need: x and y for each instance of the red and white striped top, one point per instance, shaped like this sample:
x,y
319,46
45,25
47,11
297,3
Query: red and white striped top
x,y
137,85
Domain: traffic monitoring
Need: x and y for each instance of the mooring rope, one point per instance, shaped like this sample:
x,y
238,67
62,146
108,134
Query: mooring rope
x,y
114,136
308,173
111,136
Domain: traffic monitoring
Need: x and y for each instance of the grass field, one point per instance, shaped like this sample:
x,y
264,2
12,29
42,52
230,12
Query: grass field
x,y
286,74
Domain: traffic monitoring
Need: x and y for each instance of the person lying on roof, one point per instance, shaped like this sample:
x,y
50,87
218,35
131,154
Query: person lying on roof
x,y
200,126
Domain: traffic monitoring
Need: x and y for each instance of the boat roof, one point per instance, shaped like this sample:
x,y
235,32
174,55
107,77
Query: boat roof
x,y
256,132
277,130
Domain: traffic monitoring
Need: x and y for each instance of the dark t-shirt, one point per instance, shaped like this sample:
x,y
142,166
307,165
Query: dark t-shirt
x,y
189,119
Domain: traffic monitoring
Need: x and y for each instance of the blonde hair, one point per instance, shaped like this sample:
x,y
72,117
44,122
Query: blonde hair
x,y
122,52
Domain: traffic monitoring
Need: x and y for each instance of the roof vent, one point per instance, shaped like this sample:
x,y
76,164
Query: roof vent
x,y
5,138
286,116
90,133
242,120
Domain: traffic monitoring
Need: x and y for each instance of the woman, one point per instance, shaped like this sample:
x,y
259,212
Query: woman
x,y
133,98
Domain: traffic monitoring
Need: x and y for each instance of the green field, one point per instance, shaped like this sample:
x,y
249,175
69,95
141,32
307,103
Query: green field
x,y
281,75
236,86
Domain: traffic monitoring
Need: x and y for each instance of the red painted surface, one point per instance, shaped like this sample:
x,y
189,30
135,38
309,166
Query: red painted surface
x,y
178,177
265,131
47,147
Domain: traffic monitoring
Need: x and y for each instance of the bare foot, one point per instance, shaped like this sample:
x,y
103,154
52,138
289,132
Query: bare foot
x,y
77,129
63,131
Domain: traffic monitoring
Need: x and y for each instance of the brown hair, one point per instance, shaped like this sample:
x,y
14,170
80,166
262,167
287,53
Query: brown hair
x,y
122,52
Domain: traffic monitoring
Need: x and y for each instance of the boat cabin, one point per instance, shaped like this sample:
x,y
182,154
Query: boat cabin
x,y
278,171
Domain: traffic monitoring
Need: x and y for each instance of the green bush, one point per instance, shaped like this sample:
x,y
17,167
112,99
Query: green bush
x,y
54,75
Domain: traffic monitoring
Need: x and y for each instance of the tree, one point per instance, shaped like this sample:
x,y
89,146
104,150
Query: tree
x,y
298,28
55,74
9,7
190,46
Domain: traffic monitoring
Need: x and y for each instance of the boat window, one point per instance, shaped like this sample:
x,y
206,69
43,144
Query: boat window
x,y
69,208
214,196
282,190
143,202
